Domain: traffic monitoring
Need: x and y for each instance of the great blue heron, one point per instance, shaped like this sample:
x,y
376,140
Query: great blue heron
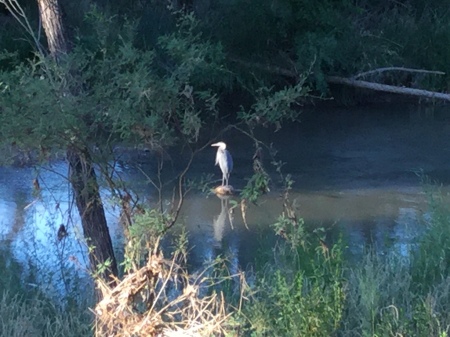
x,y
224,160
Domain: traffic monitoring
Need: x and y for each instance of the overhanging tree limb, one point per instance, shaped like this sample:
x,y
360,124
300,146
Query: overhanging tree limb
x,y
402,69
353,82
388,88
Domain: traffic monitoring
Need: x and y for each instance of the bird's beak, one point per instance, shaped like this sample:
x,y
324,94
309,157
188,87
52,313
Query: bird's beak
x,y
215,144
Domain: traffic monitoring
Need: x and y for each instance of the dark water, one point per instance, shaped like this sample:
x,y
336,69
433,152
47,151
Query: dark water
x,y
356,170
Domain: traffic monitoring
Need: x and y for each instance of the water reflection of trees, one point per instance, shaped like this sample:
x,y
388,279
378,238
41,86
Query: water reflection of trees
x,y
30,225
12,222
383,234
19,219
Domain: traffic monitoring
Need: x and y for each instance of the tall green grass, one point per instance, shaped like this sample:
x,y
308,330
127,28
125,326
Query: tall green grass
x,y
300,291
309,289
38,316
25,311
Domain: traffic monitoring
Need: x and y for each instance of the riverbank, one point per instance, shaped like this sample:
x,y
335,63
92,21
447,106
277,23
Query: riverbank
x,y
304,286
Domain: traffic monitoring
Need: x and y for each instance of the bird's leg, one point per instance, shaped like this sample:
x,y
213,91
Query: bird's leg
x,y
223,179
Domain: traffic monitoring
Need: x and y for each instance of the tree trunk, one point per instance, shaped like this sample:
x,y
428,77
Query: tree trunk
x,y
87,196
50,13
82,175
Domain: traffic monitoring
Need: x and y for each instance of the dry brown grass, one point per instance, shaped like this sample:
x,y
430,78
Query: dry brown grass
x,y
159,299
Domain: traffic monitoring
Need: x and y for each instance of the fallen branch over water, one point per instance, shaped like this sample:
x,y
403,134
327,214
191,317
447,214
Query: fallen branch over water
x,y
354,82
388,88
402,69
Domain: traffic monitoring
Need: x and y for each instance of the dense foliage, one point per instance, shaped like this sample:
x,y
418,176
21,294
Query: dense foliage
x,y
260,38
336,37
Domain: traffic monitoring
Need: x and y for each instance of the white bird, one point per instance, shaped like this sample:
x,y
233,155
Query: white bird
x,y
224,160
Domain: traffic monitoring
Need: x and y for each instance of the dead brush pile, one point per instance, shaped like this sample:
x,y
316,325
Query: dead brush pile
x,y
159,299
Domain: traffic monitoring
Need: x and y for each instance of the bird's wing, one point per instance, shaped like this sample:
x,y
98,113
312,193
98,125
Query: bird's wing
x,y
230,161
217,157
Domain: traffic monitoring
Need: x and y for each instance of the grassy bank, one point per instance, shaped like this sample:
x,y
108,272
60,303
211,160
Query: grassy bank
x,y
38,316
376,297
312,290
26,311
304,287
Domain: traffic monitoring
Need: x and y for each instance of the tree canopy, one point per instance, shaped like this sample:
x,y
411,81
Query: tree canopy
x,y
325,38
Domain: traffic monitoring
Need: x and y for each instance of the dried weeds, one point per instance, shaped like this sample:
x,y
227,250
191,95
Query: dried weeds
x,y
159,299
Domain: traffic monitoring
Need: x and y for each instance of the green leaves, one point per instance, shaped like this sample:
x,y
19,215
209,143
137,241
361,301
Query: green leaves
x,y
256,186
289,302
32,110
273,108
112,92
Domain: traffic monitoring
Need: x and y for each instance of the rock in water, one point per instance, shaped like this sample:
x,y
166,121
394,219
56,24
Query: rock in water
x,y
224,190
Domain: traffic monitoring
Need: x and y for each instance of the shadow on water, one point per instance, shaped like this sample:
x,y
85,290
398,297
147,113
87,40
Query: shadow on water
x,y
355,172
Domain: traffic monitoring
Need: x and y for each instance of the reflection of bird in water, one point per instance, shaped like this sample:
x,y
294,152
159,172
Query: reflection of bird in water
x,y
219,222
224,160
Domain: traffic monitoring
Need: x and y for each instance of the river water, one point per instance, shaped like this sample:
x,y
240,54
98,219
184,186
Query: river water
x,y
357,171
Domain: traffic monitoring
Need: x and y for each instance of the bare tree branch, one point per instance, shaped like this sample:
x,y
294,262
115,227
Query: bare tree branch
x,y
409,70
388,88
353,82
19,15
